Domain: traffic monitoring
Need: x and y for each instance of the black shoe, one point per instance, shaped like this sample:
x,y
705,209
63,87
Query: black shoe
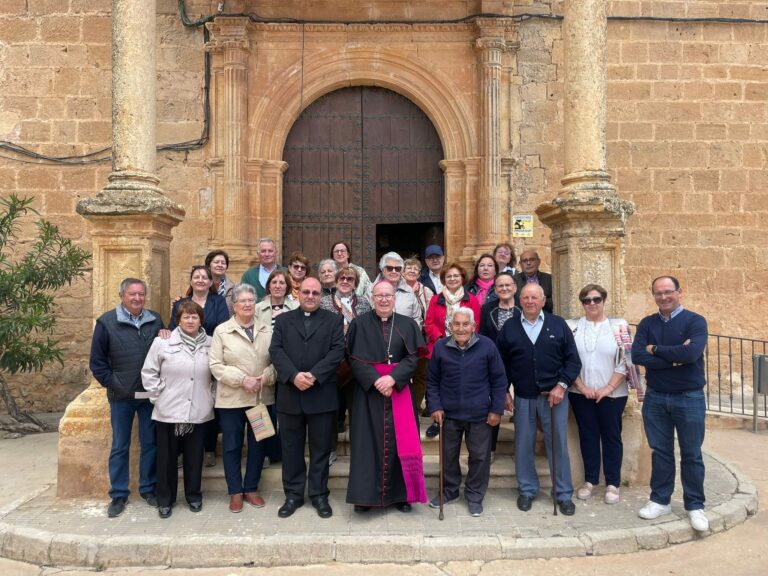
x,y
165,511
116,507
324,509
195,506
433,430
567,507
404,507
289,507
524,503
150,498
361,509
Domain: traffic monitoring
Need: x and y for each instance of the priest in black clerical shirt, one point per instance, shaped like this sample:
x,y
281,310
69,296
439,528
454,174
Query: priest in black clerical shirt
x,y
386,465
307,347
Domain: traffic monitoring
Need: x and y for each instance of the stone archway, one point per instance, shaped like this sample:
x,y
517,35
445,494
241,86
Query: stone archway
x,y
442,102
363,167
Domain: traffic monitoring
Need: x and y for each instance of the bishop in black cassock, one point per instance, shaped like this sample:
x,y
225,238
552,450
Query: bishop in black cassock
x,y
379,337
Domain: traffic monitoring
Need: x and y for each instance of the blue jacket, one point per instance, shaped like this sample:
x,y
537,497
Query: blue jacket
x,y
533,369
118,350
675,367
215,312
466,384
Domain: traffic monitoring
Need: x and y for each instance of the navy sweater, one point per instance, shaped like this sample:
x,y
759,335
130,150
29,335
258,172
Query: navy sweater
x,y
466,384
675,367
533,369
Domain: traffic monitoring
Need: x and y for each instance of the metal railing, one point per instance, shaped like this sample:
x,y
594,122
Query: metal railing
x,y
728,369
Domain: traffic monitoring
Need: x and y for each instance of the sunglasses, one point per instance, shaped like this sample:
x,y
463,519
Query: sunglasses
x,y
346,278
595,300
298,266
394,268
310,292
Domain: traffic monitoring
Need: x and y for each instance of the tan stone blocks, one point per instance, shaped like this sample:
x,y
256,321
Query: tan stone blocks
x,y
689,154
675,180
665,51
94,131
750,33
34,177
698,91
95,6
634,52
647,71
636,130
35,131
717,32
17,29
685,32
724,154
97,29
649,154
629,91
684,111
56,55
701,9
60,29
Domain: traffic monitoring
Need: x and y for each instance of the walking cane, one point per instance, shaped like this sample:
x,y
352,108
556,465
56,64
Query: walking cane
x,y
553,468
440,463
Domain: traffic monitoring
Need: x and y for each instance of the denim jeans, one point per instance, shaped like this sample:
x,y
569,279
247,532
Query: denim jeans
x,y
663,415
121,418
233,423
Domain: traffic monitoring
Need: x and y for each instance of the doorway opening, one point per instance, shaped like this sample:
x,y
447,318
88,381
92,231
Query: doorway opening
x,y
408,239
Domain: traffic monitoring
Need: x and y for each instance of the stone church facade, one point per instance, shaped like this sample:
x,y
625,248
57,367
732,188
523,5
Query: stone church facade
x,y
379,119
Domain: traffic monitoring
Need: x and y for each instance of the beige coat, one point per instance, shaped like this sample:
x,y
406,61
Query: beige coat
x,y
178,381
263,314
233,357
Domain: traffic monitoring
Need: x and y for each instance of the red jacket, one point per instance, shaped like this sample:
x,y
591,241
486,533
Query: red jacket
x,y
434,324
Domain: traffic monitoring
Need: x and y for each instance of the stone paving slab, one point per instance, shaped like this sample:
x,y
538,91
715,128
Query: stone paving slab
x,y
47,531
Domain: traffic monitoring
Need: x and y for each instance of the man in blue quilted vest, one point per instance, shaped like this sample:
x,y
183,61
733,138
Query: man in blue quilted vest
x,y
121,339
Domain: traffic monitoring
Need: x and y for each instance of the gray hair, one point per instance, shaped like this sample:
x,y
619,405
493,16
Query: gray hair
x,y
267,239
241,289
390,256
129,282
325,261
468,312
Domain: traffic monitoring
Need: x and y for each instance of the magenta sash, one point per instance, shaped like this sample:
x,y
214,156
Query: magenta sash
x,y
408,441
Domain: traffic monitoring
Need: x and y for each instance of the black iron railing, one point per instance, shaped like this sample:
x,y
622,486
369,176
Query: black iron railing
x,y
728,366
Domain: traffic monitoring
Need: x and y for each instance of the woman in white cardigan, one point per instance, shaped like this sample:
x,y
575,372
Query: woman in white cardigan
x,y
178,379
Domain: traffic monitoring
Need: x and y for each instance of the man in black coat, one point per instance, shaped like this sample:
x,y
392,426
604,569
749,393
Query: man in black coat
x,y
307,347
529,264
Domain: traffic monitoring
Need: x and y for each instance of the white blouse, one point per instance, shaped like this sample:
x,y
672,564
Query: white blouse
x,y
597,348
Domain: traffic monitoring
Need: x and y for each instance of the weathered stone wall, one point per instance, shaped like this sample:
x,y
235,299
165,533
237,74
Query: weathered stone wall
x,y
688,138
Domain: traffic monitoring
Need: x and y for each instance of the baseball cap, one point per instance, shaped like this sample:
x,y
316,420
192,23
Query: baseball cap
x,y
432,250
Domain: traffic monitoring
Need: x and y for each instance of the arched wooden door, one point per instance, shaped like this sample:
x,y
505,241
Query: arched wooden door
x,y
362,167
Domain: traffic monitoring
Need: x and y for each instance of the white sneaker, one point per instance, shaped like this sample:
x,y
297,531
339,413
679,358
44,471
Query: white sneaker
x,y
332,458
585,492
266,462
699,520
611,494
653,510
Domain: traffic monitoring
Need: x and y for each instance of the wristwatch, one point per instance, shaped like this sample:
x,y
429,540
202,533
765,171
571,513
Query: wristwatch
x,y
653,349
563,385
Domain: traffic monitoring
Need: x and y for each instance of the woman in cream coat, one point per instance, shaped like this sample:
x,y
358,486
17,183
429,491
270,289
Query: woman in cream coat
x,y
241,364
179,382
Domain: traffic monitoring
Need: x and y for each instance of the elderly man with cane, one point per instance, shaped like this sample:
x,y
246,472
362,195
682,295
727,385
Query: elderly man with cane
x,y
541,362
466,384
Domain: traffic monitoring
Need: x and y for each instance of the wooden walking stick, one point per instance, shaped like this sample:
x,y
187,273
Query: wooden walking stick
x,y
553,468
440,462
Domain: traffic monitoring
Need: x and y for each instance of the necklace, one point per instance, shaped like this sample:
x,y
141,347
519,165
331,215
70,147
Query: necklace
x,y
592,332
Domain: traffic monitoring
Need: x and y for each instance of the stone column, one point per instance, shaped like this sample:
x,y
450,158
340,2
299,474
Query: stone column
x,y
229,47
588,219
131,222
491,215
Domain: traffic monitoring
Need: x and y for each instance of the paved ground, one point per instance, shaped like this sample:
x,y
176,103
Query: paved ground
x,y
198,540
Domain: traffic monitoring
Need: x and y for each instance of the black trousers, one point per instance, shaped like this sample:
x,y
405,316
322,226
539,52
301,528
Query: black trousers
x,y
477,436
293,436
169,446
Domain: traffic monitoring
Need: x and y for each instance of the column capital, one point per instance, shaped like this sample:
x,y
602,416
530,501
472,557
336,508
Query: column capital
x,y
227,34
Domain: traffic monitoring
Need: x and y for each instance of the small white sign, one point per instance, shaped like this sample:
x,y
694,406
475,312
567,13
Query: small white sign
x,y
522,225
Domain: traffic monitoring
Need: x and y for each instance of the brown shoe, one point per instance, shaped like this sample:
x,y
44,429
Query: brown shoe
x,y
236,503
254,499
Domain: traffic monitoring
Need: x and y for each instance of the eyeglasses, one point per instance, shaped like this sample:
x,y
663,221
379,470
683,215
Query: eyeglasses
x,y
298,266
529,260
311,292
346,278
452,276
664,294
383,296
246,301
394,268
595,300
340,251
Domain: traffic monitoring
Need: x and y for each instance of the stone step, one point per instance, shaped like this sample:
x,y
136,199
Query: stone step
x,y
502,473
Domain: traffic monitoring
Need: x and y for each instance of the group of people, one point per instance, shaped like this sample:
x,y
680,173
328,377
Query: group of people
x,y
314,348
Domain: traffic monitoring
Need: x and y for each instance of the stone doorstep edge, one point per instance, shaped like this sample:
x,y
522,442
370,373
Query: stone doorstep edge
x,y
43,547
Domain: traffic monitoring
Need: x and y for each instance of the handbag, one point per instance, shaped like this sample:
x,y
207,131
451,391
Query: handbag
x,y
260,421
